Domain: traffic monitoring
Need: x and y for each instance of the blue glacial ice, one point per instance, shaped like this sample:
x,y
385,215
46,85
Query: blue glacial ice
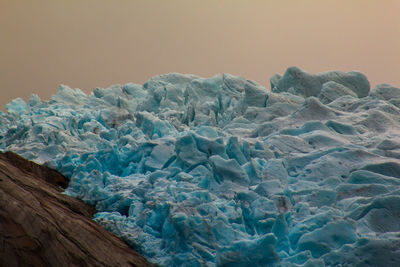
x,y
219,171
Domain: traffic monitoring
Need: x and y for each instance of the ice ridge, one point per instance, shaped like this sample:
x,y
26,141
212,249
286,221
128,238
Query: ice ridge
x,y
222,172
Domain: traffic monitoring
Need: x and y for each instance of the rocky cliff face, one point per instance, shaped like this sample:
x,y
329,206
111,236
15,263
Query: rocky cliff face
x,y
40,226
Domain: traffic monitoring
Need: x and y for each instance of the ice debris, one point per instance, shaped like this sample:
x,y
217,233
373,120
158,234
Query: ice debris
x,y
219,171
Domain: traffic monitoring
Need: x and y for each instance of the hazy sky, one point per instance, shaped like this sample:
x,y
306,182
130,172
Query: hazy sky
x,y
97,43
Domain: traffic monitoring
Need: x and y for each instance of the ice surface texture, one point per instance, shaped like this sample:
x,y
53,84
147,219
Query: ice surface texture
x,y
219,171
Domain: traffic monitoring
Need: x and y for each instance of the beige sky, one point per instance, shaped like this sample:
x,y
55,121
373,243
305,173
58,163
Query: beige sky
x,y
97,43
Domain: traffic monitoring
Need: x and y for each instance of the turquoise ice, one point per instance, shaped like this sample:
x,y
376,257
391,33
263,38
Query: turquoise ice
x,y
220,171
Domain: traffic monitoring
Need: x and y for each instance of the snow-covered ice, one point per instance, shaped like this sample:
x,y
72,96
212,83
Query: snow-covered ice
x,y
220,171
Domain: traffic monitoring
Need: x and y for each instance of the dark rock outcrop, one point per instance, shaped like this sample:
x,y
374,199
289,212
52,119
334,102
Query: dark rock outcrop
x,y
40,226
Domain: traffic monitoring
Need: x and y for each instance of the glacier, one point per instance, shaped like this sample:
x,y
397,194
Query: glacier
x,y
220,171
